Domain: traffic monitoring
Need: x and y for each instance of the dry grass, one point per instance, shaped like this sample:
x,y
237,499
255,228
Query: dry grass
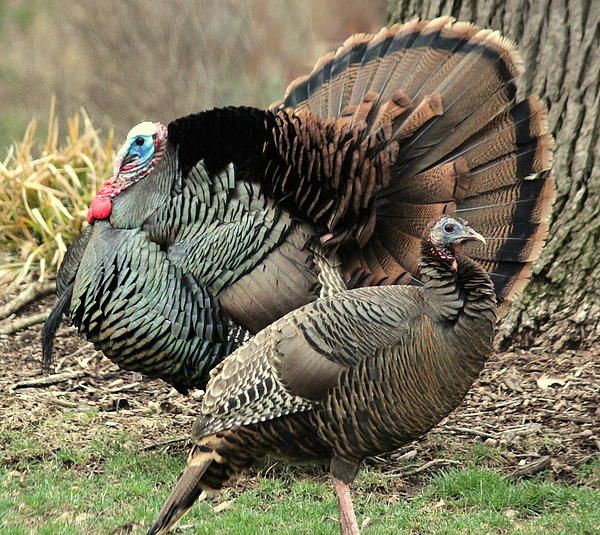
x,y
45,188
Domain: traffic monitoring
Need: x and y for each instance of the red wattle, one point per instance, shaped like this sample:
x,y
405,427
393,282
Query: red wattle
x,y
100,208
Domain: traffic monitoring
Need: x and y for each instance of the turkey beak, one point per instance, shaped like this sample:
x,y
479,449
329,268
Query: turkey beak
x,y
470,234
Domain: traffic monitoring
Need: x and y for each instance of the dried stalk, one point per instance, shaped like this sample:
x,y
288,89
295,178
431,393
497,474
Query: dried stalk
x,y
32,293
50,379
19,324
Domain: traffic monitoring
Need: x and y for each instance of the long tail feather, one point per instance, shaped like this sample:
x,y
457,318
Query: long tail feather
x,y
52,324
187,490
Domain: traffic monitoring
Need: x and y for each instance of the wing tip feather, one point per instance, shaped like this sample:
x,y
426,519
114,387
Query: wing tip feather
x,y
538,239
547,198
540,130
438,24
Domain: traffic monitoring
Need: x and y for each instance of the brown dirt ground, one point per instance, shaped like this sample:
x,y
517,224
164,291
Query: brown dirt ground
x,y
539,411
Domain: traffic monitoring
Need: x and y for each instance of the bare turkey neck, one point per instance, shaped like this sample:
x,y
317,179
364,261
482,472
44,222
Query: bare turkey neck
x,y
465,299
132,207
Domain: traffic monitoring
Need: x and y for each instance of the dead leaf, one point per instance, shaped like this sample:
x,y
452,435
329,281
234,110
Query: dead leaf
x,y
408,455
223,506
545,382
512,381
13,474
439,505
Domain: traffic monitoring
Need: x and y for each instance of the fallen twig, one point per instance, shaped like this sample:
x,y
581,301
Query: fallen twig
x,y
423,467
469,431
165,443
223,506
572,418
122,388
50,379
65,404
33,292
532,468
19,324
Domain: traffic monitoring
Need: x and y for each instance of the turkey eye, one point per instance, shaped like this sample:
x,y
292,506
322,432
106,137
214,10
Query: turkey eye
x,y
449,227
139,141
154,137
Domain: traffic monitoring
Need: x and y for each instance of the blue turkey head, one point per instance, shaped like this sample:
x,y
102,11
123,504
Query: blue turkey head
x,y
137,158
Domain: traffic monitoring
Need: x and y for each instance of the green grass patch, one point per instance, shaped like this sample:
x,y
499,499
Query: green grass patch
x,y
106,485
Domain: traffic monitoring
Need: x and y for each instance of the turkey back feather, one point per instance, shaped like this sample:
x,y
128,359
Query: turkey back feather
x,y
439,96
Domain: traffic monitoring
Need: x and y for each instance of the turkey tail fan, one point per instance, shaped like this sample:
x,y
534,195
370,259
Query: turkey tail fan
x,y
515,221
309,92
444,93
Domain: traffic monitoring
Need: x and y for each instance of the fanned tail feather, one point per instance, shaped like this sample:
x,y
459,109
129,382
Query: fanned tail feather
x,y
444,91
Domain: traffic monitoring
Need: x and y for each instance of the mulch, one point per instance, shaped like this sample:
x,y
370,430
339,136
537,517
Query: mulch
x,y
536,410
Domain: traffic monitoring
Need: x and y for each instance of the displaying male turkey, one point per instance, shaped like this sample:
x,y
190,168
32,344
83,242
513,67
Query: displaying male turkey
x,y
218,225
353,375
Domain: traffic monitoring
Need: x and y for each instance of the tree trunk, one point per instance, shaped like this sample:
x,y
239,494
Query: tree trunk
x,y
559,42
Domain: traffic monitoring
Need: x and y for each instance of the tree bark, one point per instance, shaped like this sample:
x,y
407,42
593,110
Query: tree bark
x,y
559,41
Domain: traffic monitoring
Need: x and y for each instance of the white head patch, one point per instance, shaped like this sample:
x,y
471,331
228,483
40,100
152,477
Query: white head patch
x,y
142,129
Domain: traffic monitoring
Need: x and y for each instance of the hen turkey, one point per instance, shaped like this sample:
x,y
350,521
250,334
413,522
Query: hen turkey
x,y
219,224
357,374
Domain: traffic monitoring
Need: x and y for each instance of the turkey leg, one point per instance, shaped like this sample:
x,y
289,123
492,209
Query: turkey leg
x,y
348,523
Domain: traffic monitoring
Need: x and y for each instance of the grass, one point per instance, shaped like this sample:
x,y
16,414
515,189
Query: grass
x,y
107,485
45,188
